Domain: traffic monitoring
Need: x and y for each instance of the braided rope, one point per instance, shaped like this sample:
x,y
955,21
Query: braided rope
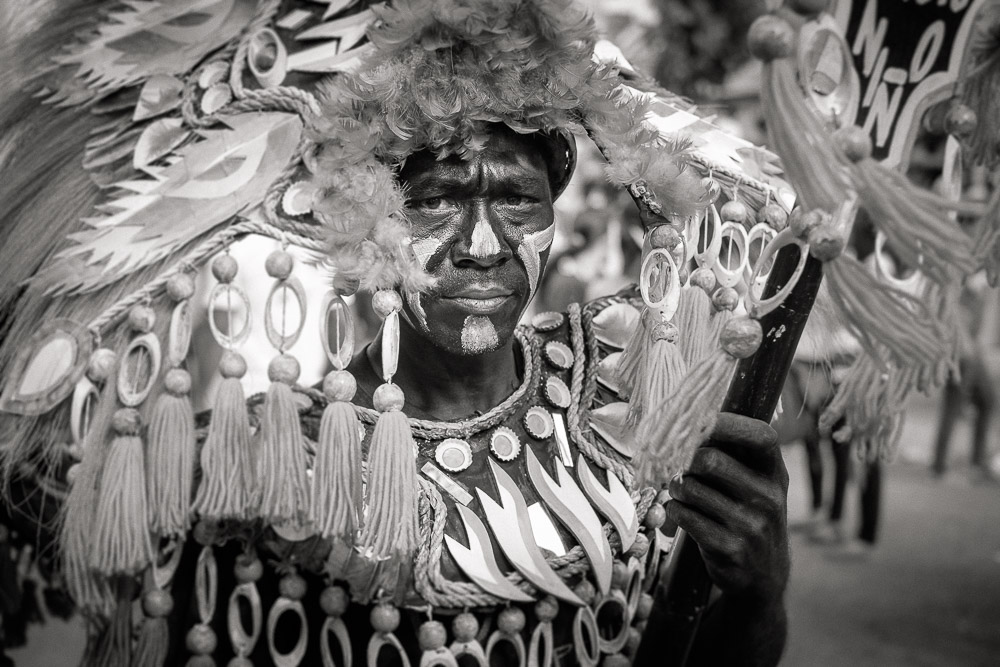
x,y
600,454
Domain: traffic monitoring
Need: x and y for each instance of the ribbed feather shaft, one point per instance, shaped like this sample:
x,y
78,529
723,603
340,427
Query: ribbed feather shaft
x,y
284,492
227,461
336,482
685,419
170,465
391,521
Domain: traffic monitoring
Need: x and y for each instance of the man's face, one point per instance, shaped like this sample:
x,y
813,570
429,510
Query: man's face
x,y
482,228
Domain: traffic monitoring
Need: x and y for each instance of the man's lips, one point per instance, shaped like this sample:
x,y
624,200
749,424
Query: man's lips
x,y
482,300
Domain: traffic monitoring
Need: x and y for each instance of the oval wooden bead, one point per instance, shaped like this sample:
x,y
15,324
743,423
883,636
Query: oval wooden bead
x,y
179,335
206,584
139,369
334,626
242,639
85,397
390,345
337,331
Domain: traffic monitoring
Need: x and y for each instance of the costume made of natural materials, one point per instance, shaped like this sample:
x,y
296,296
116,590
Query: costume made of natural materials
x,y
534,538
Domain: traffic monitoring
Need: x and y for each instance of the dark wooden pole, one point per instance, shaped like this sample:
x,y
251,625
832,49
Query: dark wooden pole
x,y
682,593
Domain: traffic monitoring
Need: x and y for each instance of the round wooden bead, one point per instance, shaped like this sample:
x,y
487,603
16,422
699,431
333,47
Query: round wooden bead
x,y
741,336
292,586
201,639
279,264
802,222
465,627
585,591
733,211
157,603
334,601
386,301
665,331
224,268
388,397
72,473
546,609
825,244
232,365
773,216
619,575
248,568
511,620
704,278
639,547
384,618
206,532
141,319
655,516
960,120
644,607
180,286
283,368
854,142
432,635
178,382
725,298
770,37
664,236
200,661
633,641
101,364
126,421
339,386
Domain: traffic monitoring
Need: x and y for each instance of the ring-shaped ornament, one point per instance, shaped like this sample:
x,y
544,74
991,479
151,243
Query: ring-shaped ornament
x,y
380,640
763,234
633,590
81,411
339,349
280,337
653,559
129,393
760,307
243,641
727,275
587,652
821,46
514,640
615,643
206,584
179,335
667,304
294,657
334,625
267,58
541,647
707,256
163,573
229,340
883,270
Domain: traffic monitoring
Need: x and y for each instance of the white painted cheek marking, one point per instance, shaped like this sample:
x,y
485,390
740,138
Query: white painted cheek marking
x,y
484,241
479,335
423,250
530,250
413,299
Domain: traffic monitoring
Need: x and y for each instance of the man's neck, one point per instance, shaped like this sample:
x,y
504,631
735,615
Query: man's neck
x,y
449,386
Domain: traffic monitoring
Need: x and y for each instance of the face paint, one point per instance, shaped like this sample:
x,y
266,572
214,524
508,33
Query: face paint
x,y
530,250
484,241
479,335
423,249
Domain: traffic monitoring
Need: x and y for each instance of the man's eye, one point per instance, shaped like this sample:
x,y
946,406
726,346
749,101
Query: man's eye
x,y
431,204
516,200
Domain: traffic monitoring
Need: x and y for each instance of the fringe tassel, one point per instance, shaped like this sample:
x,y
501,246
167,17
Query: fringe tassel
x,y
336,481
154,643
170,457
692,321
121,535
630,366
115,647
662,372
227,460
284,494
884,317
685,420
391,527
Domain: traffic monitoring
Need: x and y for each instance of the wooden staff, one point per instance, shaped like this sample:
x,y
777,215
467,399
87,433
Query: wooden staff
x,y
682,593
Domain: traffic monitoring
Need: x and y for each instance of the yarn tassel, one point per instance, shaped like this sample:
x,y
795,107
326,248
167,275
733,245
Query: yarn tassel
x,y
284,494
630,366
662,372
687,418
170,457
692,322
121,535
153,644
227,461
391,527
336,481
115,647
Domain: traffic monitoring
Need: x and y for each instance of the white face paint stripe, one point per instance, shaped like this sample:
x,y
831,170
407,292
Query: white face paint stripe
x,y
413,299
424,249
530,250
484,241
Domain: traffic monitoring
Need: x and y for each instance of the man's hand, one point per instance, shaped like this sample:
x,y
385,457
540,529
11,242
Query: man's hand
x,y
732,502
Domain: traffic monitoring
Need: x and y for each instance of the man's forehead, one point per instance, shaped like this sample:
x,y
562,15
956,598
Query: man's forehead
x,y
504,154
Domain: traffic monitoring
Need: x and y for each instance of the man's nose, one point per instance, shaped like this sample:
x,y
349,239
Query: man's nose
x,y
481,242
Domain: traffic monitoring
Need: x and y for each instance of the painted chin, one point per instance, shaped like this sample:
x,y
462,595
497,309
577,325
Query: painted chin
x,y
479,335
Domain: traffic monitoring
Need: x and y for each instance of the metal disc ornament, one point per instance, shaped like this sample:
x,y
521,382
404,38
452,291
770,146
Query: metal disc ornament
x,y
557,392
538,423
505,444
558,354
453,455
547,321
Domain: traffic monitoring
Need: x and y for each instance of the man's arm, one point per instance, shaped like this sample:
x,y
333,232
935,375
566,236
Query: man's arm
x,y
732,503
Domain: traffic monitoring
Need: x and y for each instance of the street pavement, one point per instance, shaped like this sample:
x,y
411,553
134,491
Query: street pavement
x,y
928,595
